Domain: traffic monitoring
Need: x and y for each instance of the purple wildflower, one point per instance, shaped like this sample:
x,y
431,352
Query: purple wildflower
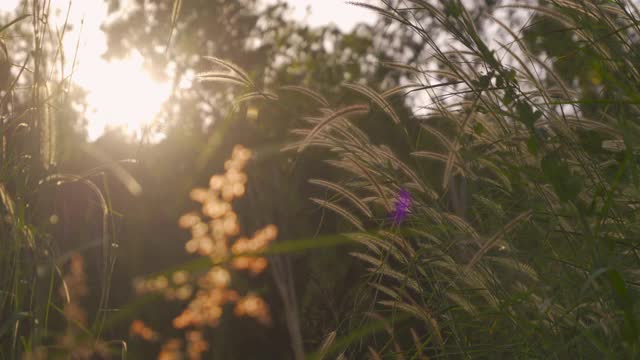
x,y
401,206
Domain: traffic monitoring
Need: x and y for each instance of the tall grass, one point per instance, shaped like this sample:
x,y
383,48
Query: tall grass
x,y
520,237
502,224
33,101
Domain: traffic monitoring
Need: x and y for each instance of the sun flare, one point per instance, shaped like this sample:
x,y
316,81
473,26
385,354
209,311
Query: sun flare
x,y
121,95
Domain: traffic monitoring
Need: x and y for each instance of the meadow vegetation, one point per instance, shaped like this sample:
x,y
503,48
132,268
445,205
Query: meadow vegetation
x,y
470,193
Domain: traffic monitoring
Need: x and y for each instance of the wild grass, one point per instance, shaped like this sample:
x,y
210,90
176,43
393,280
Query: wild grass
x,y
502,224
521,237
33,101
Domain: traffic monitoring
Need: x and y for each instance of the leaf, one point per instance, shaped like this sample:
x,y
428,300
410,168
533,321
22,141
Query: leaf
x,y
527,115
533,145
626,303
565,184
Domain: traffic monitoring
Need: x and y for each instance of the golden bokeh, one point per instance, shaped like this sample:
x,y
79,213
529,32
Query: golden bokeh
x,y
212,235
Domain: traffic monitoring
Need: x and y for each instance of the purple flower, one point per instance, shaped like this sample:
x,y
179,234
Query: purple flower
x,y
401,207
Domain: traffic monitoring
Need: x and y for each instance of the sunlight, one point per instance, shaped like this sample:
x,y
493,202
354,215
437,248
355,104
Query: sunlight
x,y
9,5
121,95
338,12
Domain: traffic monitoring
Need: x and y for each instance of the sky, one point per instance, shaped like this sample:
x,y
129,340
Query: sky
x,y
112,106
323,12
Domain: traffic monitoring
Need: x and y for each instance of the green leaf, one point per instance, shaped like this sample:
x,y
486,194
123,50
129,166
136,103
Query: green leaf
x,y
626,302
526,114
565,184
533,145
485,80
509,96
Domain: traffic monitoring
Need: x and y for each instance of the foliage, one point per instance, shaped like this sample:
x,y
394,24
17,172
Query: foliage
x,y
520,240
490,175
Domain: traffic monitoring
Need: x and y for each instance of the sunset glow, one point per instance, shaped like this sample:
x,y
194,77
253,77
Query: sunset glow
x,y
121,93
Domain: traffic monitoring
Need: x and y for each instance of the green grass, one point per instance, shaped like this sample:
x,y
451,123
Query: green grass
x,y
32,268
522,237
522,234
